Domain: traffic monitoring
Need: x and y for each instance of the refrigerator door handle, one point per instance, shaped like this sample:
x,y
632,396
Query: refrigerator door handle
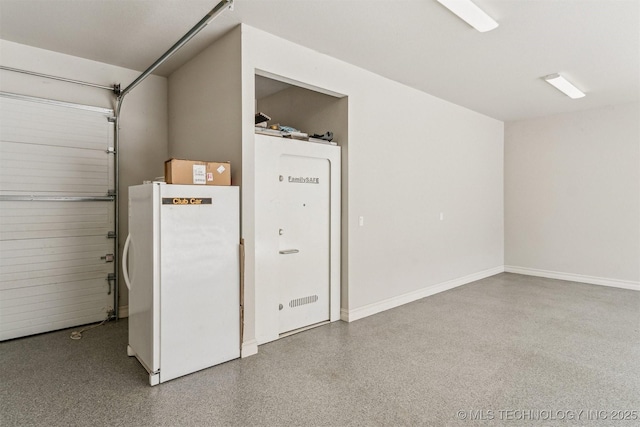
x,y
125,258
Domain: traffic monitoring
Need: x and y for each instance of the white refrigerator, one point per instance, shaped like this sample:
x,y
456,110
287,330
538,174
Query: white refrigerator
x,y
181,264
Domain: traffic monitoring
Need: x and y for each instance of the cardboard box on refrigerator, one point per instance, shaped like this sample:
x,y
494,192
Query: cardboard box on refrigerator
x,y
179,171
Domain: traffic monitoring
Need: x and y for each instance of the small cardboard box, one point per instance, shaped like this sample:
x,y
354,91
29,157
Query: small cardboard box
x,y
178,171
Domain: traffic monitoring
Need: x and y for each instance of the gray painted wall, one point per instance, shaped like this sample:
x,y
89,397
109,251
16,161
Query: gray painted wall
x,y
205,106
572,193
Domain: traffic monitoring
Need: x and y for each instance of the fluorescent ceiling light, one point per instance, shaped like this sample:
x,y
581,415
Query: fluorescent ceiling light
x,y
471,14
564,86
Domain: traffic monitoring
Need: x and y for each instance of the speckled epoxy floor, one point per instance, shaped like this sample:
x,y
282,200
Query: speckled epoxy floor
x,y
508,343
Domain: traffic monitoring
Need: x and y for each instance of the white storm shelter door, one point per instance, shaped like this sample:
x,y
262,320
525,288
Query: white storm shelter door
x,y
304,210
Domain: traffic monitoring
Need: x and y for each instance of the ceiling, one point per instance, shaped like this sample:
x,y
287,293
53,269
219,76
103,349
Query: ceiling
x,y
594,43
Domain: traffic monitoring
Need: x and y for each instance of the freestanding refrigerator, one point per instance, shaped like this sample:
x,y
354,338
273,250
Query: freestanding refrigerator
x,y
181,263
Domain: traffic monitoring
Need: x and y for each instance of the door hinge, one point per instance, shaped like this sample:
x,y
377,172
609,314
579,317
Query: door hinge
x,y
111,193
111,277
108,257
111,119
111,235
111,150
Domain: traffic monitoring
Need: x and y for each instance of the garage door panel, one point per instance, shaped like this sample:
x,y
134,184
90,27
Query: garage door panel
x,y
34,208
21,277
12,167
50,312
51,189
14,161
50,154
9,247
51,221
52,119
84,118
35,219
69,188
23,170
24,307
55,233
57,264
52,258
50,284
54,126
56,214
43,137
27,256
46,292
93,227
35,325
31,217
54,122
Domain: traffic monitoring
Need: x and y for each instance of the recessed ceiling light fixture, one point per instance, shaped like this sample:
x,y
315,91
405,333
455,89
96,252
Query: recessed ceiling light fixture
x,y
564,85
471,14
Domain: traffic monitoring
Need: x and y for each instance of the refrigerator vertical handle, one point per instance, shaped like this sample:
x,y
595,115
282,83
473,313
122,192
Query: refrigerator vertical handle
x,y
125,258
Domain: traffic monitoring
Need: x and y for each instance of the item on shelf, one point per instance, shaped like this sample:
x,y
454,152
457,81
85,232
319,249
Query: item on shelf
x,y
288,129
328,136
297,135
271,132
262,118
291,132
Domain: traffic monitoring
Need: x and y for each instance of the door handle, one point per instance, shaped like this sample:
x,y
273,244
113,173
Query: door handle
x,y
125,261
289,251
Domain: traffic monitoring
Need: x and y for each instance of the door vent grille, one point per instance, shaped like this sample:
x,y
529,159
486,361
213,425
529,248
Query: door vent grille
x,y
303,301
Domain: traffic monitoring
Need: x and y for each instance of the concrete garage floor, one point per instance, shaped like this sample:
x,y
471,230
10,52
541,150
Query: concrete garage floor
x,y
506,350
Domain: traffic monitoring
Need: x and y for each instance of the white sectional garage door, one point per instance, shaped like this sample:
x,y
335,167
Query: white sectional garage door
x,y
56,215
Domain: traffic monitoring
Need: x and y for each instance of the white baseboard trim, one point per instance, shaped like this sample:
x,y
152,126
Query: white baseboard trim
x,y
123,311
614,283
377,307
249,348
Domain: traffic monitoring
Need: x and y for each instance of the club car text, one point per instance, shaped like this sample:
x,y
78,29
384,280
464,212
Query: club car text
x,y
186,201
